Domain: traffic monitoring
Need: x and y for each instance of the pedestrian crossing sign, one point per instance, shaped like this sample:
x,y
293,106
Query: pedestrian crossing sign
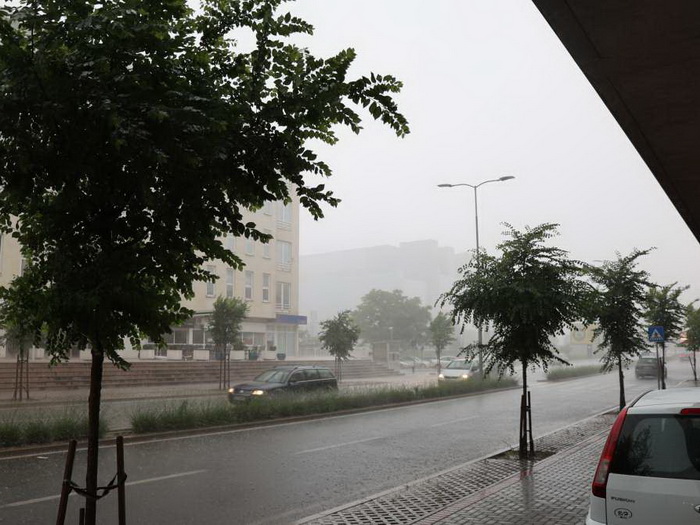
x,y
656,334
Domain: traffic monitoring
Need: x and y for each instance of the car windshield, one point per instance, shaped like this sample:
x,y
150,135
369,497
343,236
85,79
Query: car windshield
x,y
460,364
273,376
647,360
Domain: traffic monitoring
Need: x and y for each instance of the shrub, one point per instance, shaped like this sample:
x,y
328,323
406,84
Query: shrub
x,y
10,434
186,415
34,432
573,371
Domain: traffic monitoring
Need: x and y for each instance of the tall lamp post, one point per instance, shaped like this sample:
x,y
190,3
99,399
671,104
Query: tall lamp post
x,y
476,223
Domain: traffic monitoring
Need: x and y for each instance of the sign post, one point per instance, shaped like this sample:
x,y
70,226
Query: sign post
x,y
657,336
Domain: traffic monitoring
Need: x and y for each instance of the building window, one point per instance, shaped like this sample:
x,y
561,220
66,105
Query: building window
x,y
249,281
230,244
284,256
249,246
267,208
210,284
284,296
267,247
229,282
267,279
284,215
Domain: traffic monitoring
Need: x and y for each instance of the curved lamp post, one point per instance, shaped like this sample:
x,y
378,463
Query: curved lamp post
x,y
476,222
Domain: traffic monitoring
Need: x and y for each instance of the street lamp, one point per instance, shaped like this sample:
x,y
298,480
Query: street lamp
x,y
476,223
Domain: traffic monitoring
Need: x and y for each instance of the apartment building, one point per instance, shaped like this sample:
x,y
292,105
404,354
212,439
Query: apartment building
x,y
269,283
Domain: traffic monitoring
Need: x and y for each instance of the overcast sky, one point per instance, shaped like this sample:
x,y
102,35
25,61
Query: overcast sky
x,y
489,91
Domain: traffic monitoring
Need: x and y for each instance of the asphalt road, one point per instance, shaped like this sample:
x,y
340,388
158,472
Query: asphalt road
x,y
284,472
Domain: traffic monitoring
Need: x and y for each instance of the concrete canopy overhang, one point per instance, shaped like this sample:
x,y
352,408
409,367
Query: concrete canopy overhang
x,y
643,59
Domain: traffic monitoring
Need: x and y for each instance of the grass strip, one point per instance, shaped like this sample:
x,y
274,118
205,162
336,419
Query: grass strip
x,y
188,415
573,371
46,428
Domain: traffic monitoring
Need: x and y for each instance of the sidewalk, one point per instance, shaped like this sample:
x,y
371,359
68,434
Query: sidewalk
x,y
498,490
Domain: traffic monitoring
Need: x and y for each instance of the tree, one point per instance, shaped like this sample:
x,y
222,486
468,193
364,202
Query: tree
x,y
133,134
383,315
225,329
338,335
663,308
442,333
616,307
692,323
529,294
22,327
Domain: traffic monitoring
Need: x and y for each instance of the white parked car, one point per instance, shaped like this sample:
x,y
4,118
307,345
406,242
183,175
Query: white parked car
x,y
458,369
649,471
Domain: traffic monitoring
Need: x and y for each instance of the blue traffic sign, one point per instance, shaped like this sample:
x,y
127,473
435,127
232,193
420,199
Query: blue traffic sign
x,y
656,334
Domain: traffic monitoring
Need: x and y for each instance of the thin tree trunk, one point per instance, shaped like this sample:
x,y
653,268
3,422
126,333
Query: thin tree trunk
x,y
663,366
98,357
695,367
522,452
622,383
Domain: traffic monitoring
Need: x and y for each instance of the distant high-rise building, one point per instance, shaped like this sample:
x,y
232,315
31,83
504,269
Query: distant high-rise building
x,y
335,281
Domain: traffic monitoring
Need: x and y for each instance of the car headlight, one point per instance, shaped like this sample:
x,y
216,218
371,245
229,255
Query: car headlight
x,y
257,393
230,390
441,376
465,376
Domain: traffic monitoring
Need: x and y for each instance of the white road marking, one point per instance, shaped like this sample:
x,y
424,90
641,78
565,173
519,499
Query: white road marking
x,y
452,421
128,484
347,443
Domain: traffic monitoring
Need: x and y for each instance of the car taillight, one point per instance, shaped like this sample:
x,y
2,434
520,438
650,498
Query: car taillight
x,y
600,480
690,412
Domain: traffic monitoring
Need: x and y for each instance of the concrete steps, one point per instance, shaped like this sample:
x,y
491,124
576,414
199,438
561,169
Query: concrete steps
x,y
75,375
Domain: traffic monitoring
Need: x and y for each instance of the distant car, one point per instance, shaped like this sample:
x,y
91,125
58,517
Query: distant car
x,y
410,362
648,366
649,470
285,379
458,369
444,360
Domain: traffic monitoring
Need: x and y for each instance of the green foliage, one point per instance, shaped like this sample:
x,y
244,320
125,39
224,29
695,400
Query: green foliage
x,y
441,331
190,415
663,308
566,372
19,314
46,428
529,294
620,290
134,134
10,434
225,321
692,323
381,314
339,335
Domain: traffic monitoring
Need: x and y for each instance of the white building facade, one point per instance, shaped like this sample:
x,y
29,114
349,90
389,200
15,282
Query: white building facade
x,y
268,283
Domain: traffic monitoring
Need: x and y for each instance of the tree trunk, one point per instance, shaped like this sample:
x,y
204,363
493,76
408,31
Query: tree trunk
x,y
522,451
622,383
695,367
98,357
438,351
663,366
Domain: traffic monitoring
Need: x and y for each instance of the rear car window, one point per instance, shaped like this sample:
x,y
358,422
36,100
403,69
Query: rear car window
x,y
647,360
661,446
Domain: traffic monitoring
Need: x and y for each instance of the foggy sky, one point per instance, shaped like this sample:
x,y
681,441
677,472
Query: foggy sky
x,y
488,91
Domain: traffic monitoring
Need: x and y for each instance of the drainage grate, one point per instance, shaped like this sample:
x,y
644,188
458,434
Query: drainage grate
x,y
406,506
